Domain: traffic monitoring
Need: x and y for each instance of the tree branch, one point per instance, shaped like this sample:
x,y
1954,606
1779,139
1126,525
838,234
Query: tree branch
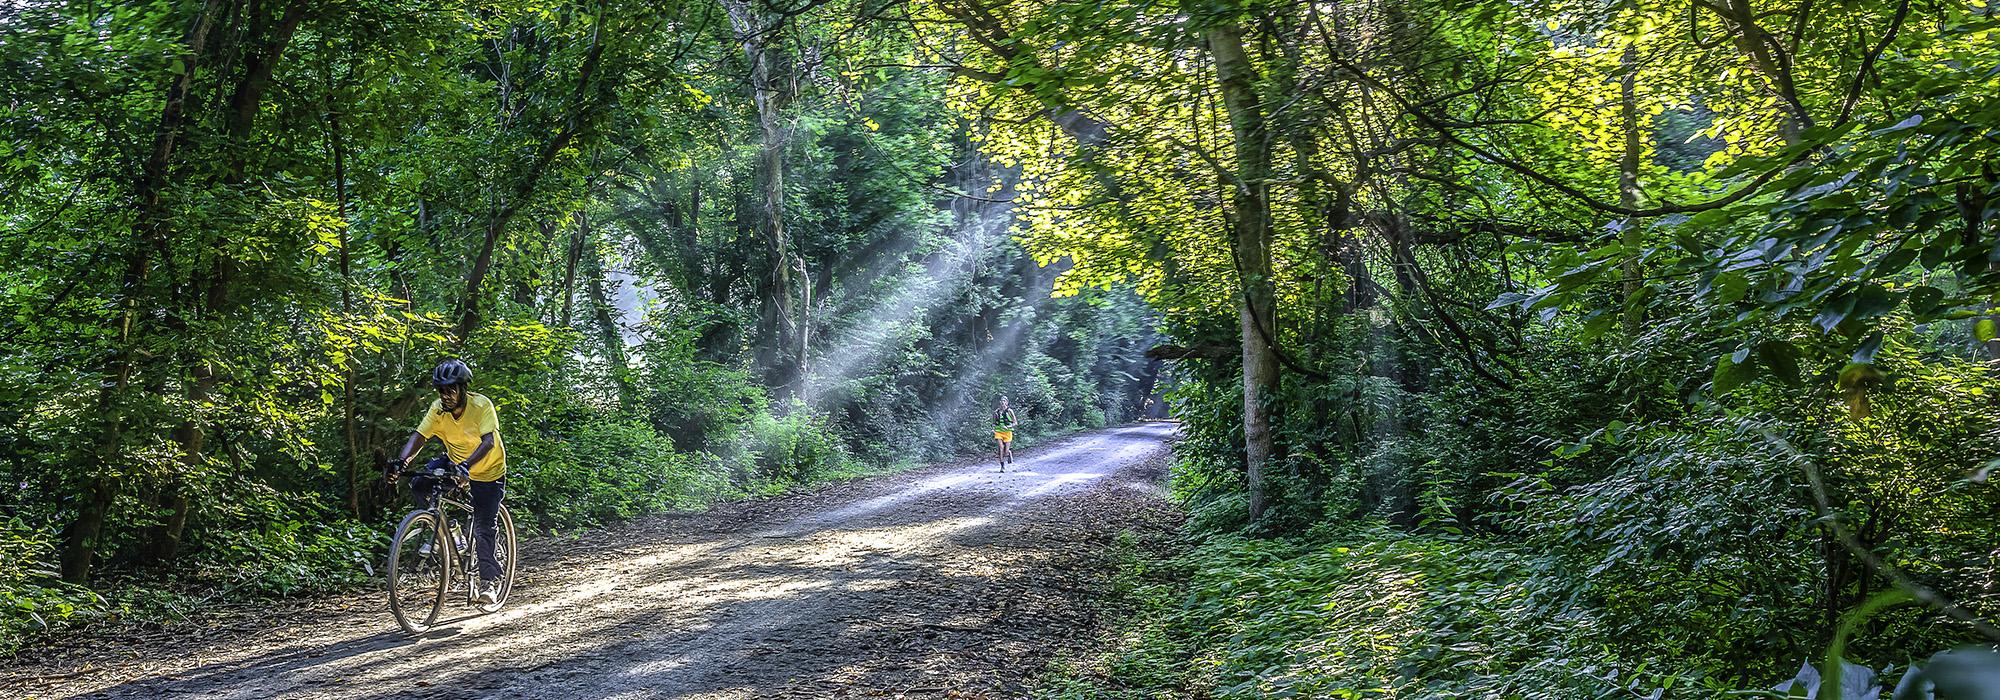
x,y
1580,196
1824,506
1194,352
1868,62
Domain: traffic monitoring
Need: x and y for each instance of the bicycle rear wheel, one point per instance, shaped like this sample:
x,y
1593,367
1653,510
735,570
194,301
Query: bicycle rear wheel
x,y
505,551
419,568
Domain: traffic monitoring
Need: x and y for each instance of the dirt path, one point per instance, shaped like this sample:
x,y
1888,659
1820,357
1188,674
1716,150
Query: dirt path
x,y
952,581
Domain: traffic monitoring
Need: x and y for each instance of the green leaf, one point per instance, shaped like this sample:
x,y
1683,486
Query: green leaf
x,y
1924,300
1864,354
1895,262
1727,288
1872,300
1781,359
1730,374
1597,324
1507,299
1834,311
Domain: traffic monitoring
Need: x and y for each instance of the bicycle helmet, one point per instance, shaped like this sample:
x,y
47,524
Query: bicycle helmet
x,y
451,372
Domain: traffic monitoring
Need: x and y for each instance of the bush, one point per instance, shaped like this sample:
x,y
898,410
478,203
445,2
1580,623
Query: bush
x,y
1696,548
32,598
305,554
698,403
255,540
779,452
603,469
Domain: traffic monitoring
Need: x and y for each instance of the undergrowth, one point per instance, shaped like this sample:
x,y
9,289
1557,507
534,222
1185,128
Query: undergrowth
x,y
1370,613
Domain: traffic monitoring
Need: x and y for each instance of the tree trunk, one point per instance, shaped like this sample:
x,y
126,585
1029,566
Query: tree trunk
x,y
1770,59
608,334
1237,78
1628,187
700,271
258,66
164,542
576,244
350,413
80,537
525,184
778,323
267,49
102,484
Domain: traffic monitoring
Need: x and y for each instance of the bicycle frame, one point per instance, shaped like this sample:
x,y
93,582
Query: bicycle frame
x,y
449,502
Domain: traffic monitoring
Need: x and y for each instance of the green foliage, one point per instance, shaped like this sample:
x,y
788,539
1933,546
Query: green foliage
x,y
225,287
794,448
32,598
1550,280
604,469
1370,613
698,403
276,550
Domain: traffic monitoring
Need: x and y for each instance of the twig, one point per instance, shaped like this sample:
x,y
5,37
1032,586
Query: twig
x,y
1921,593
1868,62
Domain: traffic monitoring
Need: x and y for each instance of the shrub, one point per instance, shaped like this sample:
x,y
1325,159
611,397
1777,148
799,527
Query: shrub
x,y
1375,613
603,468
32,598
795,448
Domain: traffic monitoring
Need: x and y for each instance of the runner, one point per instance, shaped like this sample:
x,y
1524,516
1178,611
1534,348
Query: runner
x,y
1004,423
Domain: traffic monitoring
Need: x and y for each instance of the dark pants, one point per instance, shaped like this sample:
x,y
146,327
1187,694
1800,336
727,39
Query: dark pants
x,y
486,497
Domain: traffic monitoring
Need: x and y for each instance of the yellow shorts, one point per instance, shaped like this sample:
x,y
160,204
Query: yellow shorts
x,y
1003,435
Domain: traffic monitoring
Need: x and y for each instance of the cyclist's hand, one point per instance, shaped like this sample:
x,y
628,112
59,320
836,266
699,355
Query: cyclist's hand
x,y
463,475
393,471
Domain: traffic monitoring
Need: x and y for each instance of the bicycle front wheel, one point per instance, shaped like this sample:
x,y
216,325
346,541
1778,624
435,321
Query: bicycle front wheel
x,y
419,568
506,552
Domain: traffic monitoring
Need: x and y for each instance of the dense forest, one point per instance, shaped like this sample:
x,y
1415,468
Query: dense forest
x,y
691,252
1604,348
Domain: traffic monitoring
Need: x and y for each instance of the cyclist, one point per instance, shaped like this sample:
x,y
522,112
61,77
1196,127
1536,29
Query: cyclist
x,y
474,454
1004,423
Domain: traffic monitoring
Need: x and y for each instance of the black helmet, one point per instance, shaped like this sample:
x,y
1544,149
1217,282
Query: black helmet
x,y
451,372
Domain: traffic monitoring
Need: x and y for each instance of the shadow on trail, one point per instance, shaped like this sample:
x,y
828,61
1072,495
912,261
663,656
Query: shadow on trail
x,y
290,659
965,565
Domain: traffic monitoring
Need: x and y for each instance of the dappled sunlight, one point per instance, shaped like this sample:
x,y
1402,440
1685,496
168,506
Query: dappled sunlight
x,y
875,504
679,619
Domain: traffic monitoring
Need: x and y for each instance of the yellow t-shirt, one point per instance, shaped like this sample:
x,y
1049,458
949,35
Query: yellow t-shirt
x,y
460,435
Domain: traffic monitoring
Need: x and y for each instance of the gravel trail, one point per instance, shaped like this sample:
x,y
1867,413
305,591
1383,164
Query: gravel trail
x,y
948,582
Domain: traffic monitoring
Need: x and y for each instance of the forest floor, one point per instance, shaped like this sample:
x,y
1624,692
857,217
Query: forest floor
x,y
952,581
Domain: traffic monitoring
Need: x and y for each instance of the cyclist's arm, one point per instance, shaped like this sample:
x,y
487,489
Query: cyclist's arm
x,y
479,453
409,449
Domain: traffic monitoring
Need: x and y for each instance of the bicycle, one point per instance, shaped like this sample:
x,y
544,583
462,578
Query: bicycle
x,y
432,553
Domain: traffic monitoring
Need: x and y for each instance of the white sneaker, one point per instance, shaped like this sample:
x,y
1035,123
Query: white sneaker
x,y
489,592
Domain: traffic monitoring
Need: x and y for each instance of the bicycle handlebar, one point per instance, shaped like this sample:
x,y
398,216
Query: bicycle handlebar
x,y
412,467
